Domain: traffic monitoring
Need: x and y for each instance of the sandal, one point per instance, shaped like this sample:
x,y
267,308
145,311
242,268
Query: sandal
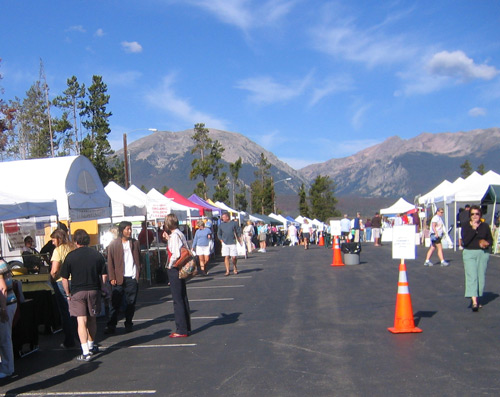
x,y
227,274
235,271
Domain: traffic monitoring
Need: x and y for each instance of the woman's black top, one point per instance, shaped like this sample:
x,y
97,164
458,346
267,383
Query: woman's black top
x,y
471,237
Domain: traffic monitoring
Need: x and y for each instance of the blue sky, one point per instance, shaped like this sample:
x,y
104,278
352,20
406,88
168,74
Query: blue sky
x,y
308,80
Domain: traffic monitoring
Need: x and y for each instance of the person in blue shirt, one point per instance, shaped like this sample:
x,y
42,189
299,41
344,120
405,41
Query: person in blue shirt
x,y
201,245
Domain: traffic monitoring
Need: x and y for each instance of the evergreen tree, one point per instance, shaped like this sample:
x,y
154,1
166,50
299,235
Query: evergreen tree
x,y
262,187
201,166
72,104
322,199
234,170
95,146
221,192
241,203
481,169
466,169
303,206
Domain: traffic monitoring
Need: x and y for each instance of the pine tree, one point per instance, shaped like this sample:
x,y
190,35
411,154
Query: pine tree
x,y
322,199
72,104
95,146
481,169
262,187
234,170
466,169
303,206
202,165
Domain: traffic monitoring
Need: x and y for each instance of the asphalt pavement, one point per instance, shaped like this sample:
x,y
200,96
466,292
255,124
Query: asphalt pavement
x,y
290,324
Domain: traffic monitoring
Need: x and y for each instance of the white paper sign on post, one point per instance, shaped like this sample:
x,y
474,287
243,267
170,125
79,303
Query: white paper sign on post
x,y
403,242
335,228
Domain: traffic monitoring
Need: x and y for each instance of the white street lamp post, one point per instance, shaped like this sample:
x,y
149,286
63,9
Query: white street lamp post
x,y
274,195
126,156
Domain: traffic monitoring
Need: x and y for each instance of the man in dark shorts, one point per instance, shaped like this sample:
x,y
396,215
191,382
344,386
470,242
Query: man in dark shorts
x,y
87,269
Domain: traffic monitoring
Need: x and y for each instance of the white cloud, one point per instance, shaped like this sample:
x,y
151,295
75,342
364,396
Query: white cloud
x,y
99,33
165,98
459,66
477,112
264,90
357,118
76,28
246,14
122,78
332,85
338,36
131,46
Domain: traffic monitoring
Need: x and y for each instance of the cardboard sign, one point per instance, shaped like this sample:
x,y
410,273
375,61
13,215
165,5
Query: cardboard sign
x,y
403,242
335,228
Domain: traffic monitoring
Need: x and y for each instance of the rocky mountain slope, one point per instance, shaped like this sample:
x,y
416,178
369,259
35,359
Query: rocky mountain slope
x,y
399,167
164,159
395,168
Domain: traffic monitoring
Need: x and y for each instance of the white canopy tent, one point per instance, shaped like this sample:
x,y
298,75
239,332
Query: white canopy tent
x,y
123,204
399,207
13,207
71,181
280,218
160,206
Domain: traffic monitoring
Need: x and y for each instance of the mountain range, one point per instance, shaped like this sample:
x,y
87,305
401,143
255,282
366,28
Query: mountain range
x,y
394,168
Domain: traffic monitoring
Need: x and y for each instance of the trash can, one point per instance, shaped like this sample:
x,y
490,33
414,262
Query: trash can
x,y
351,253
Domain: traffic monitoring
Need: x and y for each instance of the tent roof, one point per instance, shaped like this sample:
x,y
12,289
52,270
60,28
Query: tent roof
x,y
399,207
198,200
476,186
123,203
267,219
444,189
72,181
13,207
223,206
178,198
492,195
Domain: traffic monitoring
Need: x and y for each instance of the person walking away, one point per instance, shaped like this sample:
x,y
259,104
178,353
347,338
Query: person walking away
x,y
8,306
262,233
357,227
248,232
477,240
227,233
306,233
368,229
182,313
376,229
463,219
62,248
201,245
124,266
345,227
87,269
437,232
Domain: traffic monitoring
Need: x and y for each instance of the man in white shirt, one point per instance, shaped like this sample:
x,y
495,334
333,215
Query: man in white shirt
x,y
345,227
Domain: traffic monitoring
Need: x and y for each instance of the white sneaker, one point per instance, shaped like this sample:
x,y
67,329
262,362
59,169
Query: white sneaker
x,y
428,263
444,263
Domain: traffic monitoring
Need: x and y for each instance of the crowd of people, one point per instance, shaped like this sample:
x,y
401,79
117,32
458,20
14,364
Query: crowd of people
x,y
81,276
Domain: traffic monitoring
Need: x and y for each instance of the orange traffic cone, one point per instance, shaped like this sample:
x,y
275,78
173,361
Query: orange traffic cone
x,y
337,255
403,319
321,241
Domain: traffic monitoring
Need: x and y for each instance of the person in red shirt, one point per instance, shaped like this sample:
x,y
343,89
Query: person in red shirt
x,y
146,236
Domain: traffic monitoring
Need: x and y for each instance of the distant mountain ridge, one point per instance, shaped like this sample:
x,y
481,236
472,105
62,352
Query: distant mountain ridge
x,y
394,168
399,167
164,159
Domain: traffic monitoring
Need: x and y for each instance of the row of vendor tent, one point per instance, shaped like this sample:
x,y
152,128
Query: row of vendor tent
x,y
471,189
70,188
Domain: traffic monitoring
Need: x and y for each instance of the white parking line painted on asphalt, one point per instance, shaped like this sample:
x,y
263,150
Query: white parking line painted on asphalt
x,y
104,348
217,286
162,319
83,393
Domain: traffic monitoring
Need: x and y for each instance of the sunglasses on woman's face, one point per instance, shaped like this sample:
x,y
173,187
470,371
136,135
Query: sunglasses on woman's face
x,y
475,213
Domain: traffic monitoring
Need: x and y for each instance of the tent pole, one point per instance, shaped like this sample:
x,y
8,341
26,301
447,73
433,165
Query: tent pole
x,y
148,263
